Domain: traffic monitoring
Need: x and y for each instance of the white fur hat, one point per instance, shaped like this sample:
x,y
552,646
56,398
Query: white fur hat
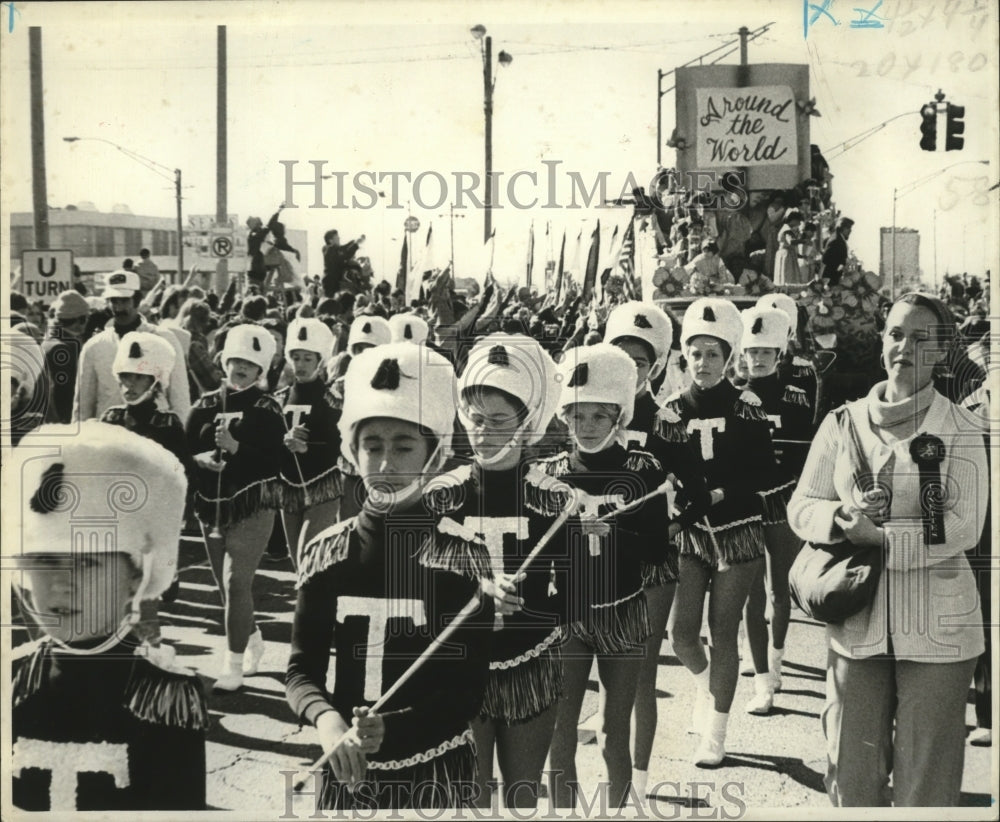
x,y
764,328
309,334
408,328
100,487
786,304
518,365
712,317
644,322
142,352
370,329
399,381
598,373
253,343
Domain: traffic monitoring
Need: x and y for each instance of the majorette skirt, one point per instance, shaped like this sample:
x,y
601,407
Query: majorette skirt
x,y
654,575
615,627
519,689
259,496
443,777
322,488
740,541
775,503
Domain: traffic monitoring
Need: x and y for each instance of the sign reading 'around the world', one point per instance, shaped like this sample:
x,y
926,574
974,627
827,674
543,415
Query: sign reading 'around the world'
x,y
748,126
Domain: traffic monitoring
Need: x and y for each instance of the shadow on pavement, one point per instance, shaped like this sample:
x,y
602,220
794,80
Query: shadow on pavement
x,y
796,769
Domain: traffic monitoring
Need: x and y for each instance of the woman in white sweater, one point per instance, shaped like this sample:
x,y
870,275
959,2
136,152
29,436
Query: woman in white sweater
x,y
898,672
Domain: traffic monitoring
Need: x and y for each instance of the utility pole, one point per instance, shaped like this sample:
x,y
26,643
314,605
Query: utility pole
x,y
180,226
39,193
892,251
659,118
221,169
488,110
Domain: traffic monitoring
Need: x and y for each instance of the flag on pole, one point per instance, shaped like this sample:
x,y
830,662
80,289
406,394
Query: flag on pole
x,y
531,254
607,264
590,274
403,263
559,269
626,262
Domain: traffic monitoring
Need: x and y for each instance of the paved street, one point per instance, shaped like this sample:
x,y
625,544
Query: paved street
x,y
773,762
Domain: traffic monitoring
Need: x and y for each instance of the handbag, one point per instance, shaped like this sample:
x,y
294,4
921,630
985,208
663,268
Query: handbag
x,y
831,582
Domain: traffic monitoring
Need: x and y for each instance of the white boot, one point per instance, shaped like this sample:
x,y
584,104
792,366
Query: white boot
x,y
712,748
253,653
763,699
702,703
231,678
775,656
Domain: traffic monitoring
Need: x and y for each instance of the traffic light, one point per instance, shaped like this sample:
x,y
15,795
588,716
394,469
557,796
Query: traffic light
x,y
956,126
928,127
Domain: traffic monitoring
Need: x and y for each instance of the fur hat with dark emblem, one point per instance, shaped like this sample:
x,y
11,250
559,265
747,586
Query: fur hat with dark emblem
x,y
399,381
104,488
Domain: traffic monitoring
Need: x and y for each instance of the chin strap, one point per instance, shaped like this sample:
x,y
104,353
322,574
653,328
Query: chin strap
x,y
386,501
127,622
150,392
503,452
617,432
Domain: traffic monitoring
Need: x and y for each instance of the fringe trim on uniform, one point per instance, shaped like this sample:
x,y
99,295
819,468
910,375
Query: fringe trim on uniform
x,y
775,503
175,700
641,461
323,488
616,629
673,431
795,396
323,551
32,673
442,782
749,411
521,692
259,496
741,541
544,493
661,573
451,549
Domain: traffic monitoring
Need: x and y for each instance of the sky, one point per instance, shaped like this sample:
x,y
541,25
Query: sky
x,y
388,87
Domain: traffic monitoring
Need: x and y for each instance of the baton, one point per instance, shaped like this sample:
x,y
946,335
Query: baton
x,y
440,639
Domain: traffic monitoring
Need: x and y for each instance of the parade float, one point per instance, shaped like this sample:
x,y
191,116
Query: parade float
x,y
743,160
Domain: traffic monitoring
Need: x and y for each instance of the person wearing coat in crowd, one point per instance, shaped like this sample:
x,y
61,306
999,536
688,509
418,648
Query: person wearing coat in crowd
x,y
96,387
898,671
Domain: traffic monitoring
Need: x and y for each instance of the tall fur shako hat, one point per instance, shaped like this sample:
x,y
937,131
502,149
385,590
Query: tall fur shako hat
x,y
712,317
141,352
408,328
253,343
100,487
309,334
764,328
518,365
785,304
645,322
370,329
400,381
598,373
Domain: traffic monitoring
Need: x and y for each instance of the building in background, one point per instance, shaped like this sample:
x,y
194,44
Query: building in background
x,y
101,240
907,259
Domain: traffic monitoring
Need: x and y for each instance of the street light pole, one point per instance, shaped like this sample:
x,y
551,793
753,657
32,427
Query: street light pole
x,y
488,109
892,250
146,161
